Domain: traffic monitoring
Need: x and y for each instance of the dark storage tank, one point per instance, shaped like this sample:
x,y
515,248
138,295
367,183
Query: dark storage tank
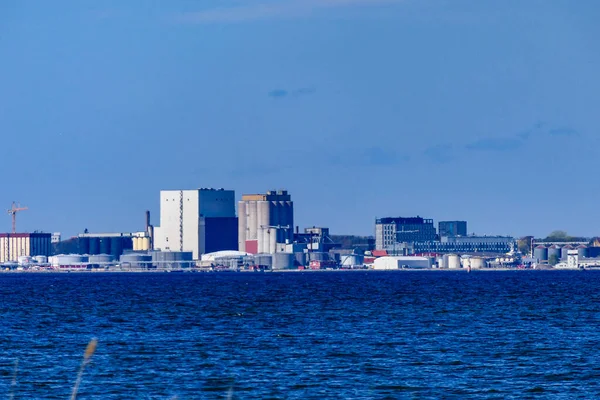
x,y
94,245
84,245
105,245
540,253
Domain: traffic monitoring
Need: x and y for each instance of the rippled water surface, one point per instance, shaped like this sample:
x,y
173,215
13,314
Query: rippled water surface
x,y
303,335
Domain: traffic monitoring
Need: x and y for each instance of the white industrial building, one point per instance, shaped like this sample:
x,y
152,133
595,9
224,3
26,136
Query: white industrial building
x,y
408,262
15,245
264,221
191,219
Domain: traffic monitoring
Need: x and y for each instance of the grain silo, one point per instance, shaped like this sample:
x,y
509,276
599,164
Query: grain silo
x,y
540,253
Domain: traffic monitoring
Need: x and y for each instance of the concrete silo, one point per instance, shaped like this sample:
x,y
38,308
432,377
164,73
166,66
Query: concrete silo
x,y
554,253
582,251
540,253
564,252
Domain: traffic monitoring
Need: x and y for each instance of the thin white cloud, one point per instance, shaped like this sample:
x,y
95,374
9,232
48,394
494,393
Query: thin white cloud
x,y
284,8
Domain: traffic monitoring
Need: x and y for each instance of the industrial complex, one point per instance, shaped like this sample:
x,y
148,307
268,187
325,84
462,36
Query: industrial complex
x,y
203,230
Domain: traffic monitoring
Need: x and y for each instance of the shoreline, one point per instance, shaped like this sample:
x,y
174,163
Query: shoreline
x,y
284,271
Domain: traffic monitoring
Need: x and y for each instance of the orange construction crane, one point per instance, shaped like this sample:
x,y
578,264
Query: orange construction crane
x,y
13,212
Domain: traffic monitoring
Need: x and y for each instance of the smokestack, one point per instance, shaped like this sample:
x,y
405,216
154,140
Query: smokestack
x,y
147,220
297,230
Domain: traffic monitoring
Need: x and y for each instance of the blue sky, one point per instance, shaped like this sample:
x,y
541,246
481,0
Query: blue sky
x,y
478,110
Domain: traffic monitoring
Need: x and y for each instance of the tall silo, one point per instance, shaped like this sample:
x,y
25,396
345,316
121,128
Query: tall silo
x,y
242,226
116,246
554,253
263,222
582,251
84,245
540,253
252,229
105,245
565,251
94,245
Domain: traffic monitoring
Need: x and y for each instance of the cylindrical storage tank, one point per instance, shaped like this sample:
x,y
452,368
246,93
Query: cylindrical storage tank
x,y
104,245
465,261
565,251
283,260
94,245
101,259
24,260
300,259
554,253
440,262
274,211
134,260
265,260
272,234
84,245
242,226
263,222
145,243
136,244
71,260
477,262
453,261
540,253
116,247
172,259
41,259
582,251
252,212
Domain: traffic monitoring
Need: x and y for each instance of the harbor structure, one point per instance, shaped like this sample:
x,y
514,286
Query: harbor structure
x,y
265,220
15,245
198,221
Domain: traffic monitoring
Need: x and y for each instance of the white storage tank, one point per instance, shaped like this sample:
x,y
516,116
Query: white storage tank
x,y
352,260
25,260
440,263
41,259
70,260
453,261
477,262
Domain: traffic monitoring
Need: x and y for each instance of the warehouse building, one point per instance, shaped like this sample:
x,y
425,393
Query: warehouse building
x,y
265,220
15,245
200,220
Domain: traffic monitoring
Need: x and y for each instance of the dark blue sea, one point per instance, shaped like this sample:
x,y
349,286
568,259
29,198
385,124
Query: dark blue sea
x,y
338,335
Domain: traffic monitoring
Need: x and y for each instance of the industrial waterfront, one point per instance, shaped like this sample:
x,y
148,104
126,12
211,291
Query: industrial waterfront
x,y
205,230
